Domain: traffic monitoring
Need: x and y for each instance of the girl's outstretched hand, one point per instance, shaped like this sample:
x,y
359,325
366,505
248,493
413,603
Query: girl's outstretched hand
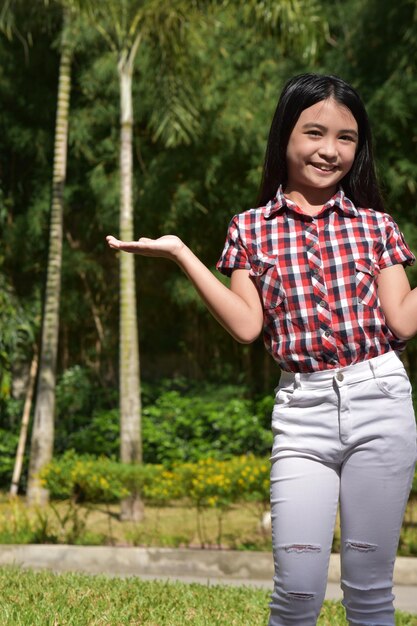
x,y
168,246
238,309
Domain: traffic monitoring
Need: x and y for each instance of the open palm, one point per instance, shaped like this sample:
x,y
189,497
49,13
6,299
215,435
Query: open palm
x,y
167,246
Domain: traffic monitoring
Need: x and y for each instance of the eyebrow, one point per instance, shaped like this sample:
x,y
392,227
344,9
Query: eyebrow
x,y
323,128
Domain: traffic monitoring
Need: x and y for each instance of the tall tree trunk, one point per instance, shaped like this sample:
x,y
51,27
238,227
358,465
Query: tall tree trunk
x,y
17,471
130,404
43,426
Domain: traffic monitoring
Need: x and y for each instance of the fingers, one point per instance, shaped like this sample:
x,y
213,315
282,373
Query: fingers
x,y
166,246
141,246
112,241
117,243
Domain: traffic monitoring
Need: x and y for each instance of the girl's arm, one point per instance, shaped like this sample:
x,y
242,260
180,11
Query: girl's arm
x,y
398,301
238,309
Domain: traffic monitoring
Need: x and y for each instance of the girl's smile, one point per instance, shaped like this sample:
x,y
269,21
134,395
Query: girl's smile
x,y
320,152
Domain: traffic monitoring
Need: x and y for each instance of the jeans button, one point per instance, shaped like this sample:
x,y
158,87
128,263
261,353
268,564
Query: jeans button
x,y
339,376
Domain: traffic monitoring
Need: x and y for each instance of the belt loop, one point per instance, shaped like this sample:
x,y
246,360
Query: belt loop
x,y
373,367
297,380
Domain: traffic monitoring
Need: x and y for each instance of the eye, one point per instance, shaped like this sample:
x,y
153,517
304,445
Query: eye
x,y
314,133
348,138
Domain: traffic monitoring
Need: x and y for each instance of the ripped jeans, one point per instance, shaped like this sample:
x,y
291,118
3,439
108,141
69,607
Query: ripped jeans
x,y
342,437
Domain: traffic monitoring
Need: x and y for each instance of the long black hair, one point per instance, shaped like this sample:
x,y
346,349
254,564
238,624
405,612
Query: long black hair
x,y
303,91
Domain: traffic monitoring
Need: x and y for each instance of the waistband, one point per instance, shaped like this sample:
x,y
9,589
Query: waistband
x,y
371,368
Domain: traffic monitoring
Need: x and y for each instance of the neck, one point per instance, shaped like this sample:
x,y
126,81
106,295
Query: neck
x,y
310,201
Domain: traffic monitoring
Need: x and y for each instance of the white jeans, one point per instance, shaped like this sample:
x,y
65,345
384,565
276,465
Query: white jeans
x,y
344,437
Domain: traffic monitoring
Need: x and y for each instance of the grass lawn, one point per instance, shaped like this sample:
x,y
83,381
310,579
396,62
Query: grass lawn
x,y
45,599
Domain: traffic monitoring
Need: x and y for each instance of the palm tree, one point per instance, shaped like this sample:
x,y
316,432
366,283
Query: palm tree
x,y
125,24
43,426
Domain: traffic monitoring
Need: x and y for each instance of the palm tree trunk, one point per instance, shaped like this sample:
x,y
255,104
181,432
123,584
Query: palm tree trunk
x,y
43,426
17,471
130,404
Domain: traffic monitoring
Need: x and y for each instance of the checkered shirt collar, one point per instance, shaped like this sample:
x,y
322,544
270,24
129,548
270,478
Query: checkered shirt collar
x,y
339,201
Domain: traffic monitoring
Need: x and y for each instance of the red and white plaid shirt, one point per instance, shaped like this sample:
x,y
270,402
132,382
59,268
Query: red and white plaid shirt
x,y
317,279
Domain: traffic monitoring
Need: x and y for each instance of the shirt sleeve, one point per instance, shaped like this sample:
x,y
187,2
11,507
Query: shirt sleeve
x,y
234,255
396,249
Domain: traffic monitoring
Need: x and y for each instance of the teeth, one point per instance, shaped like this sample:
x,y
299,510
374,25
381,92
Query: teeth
x,y
324,168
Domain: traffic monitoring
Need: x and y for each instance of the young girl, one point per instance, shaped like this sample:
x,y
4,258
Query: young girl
x,y
319,267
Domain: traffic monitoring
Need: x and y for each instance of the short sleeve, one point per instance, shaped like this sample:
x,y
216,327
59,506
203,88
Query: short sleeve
x,y
234,255
396,249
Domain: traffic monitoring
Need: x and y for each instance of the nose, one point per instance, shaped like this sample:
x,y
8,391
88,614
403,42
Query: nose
x,y
328,149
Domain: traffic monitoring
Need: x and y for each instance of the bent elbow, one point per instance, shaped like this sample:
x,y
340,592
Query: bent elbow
x,y
403,330
247,335
405,336
247,340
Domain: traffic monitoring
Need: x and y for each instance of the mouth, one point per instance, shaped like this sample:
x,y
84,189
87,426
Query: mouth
x,y
325,167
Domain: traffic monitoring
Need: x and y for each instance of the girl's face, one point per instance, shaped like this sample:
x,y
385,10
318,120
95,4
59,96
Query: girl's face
x,y
321,148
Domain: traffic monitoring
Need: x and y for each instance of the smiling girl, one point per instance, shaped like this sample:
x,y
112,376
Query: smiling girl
x,y
319,267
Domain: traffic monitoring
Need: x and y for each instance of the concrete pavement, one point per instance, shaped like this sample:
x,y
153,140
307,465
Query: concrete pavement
x,y
187,565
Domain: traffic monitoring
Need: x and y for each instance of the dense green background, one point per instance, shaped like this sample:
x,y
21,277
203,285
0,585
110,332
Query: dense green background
x,y
236,72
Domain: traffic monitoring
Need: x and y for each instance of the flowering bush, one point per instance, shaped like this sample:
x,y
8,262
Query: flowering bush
x,y
85,478
206,483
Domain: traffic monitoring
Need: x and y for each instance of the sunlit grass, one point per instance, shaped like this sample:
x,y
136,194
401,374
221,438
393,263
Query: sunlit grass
x,y
45,599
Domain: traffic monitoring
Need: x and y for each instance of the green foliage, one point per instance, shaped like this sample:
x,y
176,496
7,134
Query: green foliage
x,y
87,478
83,421
217,422
73,391
97,435
8,446
16,336
212,483
180,420
300,26
206,483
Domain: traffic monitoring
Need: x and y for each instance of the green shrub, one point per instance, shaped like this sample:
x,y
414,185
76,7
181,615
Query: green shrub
x,y
214,483
8,447
100,435
84,414
206,483
196,426
84,478
179,424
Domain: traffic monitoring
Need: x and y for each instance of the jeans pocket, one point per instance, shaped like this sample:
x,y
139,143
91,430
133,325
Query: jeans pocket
x,y
284,395
396,384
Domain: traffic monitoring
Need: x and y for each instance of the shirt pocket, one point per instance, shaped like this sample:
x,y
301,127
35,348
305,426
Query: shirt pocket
x,y
366,289
265,274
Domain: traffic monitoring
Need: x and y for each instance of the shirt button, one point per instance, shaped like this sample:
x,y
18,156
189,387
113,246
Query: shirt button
x,y
327,333
322,303
339,376
316,272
